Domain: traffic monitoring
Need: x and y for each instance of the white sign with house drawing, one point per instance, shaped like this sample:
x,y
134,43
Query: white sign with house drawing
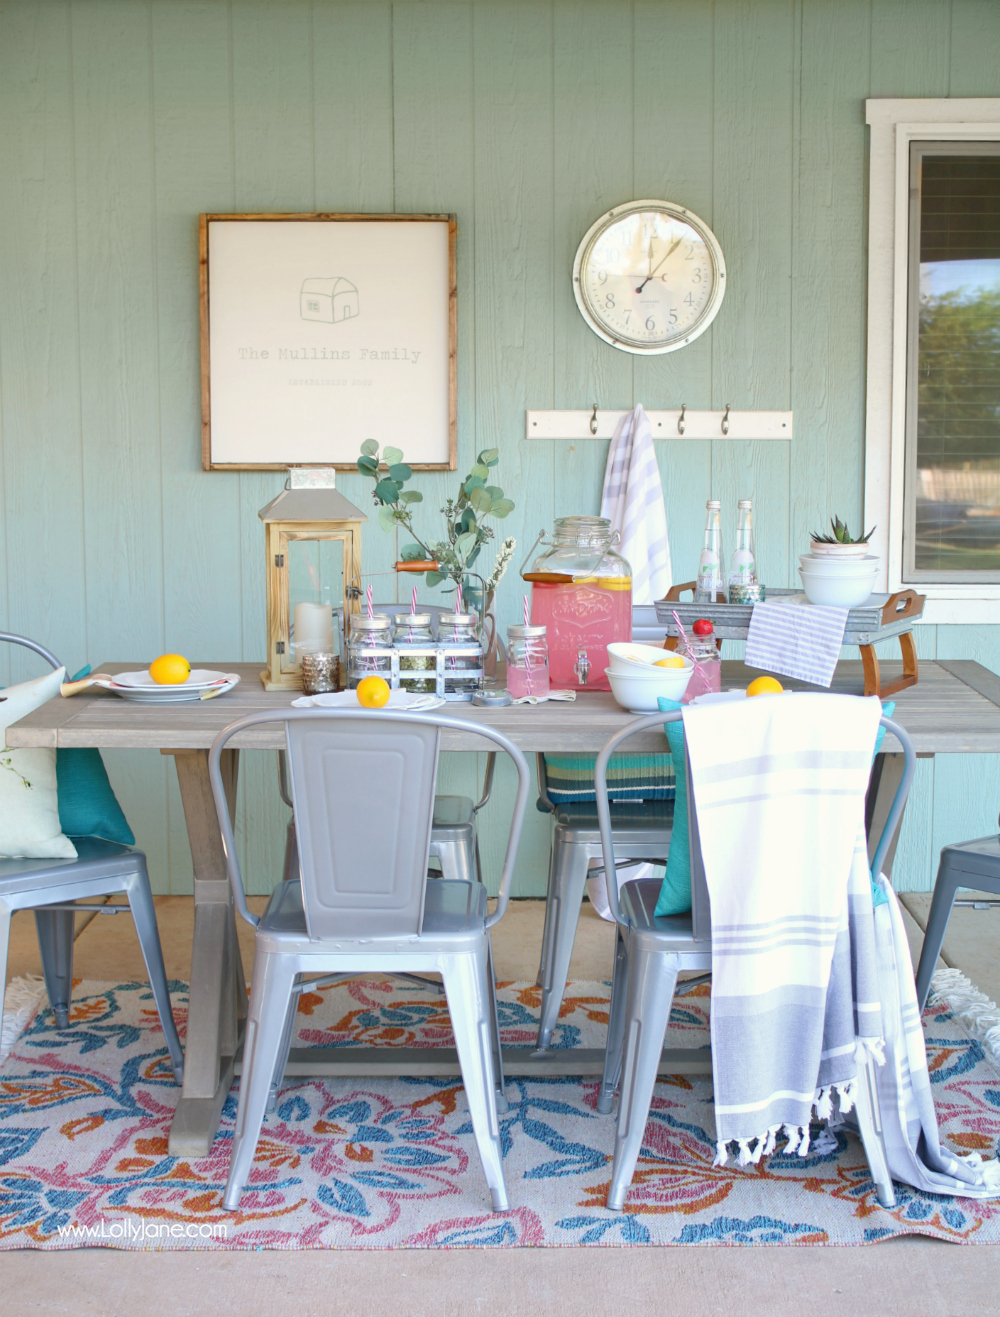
x,y
324,333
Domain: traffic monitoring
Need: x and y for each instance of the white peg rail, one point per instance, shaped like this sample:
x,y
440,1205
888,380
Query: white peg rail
x,y
697,425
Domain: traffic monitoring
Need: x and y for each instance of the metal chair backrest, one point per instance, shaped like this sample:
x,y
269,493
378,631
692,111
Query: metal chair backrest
x,y
362,787
701,913
12,639
363,795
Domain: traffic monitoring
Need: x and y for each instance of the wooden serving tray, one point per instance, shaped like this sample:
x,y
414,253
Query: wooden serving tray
x,y
882,617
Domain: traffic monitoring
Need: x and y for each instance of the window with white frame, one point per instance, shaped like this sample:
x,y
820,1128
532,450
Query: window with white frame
x,y
932,458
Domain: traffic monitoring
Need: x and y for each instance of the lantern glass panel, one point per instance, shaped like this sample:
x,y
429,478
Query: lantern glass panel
x,y
315,597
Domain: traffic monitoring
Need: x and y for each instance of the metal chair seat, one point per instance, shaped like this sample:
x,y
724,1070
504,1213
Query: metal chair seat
x,y
453,914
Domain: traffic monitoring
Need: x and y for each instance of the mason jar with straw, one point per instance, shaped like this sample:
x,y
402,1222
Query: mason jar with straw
x,y
527,659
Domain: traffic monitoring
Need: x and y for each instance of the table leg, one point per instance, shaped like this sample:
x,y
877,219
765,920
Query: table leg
x,y
217,1002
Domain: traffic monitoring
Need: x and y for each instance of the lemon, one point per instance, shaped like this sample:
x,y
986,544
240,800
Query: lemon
x,y
170,669
373,692
765,686
674,661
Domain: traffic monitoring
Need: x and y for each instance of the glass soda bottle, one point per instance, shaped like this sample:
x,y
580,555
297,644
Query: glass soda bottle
x,y
709,582
702,650
743,564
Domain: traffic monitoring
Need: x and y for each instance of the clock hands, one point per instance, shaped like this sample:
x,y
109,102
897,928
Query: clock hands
x,y
676,243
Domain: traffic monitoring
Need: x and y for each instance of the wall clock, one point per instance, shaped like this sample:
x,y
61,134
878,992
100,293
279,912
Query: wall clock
x,y
649,277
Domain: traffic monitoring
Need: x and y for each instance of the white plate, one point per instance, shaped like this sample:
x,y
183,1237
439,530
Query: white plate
x,y
416,701
179,694
198,679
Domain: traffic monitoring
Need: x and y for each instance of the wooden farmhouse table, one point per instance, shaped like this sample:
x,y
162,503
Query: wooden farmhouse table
x,y
954,708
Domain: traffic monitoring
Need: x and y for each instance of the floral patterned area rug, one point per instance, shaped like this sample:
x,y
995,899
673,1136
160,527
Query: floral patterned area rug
x,y
391,1163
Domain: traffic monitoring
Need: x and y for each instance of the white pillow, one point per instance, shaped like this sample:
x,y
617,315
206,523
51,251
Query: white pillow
x,y
29,807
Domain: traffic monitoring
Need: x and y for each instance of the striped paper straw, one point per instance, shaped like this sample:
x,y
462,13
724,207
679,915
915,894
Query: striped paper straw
x,y
371,611
413,601
458,600
527,661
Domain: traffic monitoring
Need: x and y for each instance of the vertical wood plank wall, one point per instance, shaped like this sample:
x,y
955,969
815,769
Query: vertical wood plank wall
x,y
123,119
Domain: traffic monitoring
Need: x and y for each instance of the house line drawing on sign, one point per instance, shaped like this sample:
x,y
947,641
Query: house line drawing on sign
x,y
329,300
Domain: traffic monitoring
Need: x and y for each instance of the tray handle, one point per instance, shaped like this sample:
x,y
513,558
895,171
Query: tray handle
x,y
901,605
673,595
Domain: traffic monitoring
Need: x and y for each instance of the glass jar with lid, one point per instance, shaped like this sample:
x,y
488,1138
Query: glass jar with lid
x,y
581,591
527,661
369,650
458,637
412,632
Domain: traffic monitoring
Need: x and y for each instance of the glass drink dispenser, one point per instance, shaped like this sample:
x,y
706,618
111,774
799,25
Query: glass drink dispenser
x,y
581,591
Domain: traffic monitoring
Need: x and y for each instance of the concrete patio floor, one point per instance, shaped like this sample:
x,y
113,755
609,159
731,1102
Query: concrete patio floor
x,y
916,1277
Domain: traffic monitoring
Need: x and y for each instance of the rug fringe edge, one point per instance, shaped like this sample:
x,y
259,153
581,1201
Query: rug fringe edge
x,y
22,998
978,1013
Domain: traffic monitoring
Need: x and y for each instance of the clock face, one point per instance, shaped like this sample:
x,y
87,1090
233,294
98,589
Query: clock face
x,y
649,277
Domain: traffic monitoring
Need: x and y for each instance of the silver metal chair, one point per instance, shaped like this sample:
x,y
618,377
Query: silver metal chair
x,y
362,787
52,888
971,864
642,831
650,952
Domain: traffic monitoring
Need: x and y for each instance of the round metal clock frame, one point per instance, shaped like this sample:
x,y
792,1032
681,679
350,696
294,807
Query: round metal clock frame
x,y
718,274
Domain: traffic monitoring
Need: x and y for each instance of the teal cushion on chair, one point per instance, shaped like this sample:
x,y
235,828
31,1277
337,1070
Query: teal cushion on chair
x,y
87,805
675,894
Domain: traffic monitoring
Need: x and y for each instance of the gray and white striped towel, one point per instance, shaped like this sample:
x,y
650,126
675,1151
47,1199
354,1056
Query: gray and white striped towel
x,y
802,642
909,1122
633,500
779,787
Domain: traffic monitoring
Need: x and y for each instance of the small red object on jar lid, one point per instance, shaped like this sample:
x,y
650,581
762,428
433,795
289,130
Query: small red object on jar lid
x,y
703,627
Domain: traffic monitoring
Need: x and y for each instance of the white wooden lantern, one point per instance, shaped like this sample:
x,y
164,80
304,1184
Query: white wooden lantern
x,y
313,552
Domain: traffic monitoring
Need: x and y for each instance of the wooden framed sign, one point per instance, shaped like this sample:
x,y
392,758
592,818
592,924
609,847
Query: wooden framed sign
x,y
321,331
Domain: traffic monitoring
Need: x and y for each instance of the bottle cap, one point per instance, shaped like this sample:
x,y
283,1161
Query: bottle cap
x,y
745,503
714,504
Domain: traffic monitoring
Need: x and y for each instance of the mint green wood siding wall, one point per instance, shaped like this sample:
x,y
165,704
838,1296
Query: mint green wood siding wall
x,y
123,119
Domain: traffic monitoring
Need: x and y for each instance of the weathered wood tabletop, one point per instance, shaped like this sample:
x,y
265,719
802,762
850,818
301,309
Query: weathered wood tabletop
x,y
954,708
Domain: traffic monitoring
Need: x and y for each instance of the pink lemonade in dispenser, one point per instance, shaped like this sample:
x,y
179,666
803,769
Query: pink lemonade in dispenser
x,y
581,592
582,619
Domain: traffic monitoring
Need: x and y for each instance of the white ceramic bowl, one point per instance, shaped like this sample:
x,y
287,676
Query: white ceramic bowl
x,y
825,565
638,692
624,656
837,591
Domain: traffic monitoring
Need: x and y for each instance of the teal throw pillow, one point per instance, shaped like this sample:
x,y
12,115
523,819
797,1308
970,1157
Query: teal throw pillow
x,y
87,805
675,894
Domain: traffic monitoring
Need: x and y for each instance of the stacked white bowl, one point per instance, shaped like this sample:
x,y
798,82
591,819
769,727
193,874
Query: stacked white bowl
x,y
838,575
637,683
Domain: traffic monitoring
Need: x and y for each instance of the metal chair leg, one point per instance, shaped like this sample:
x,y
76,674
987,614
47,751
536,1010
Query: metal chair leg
x,y
5,914
870,1128
55,942
652,977
491,979
547,925
267,1014
616,1025
469,1007
140,899
570,866
282,1063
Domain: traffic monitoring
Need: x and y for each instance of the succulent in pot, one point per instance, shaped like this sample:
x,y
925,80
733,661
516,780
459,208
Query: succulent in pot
x,y
841,544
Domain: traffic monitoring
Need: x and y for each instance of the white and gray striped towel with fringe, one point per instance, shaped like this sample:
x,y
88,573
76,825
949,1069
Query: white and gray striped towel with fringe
x,y
779,787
